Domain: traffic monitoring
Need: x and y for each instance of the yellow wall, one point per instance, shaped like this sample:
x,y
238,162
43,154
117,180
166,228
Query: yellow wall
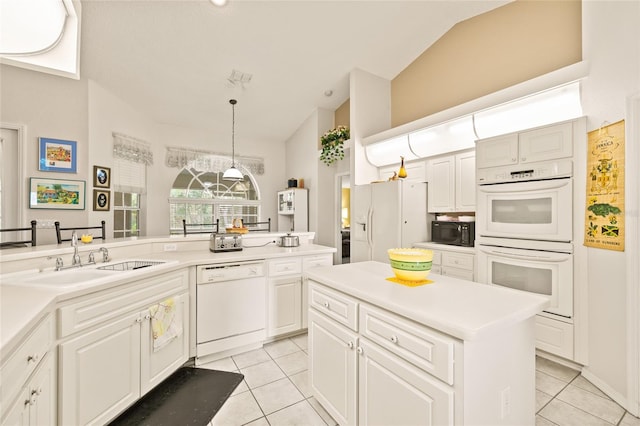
x,y
346,203
487,53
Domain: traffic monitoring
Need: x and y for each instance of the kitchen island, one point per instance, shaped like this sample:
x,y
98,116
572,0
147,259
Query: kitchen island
x,y
452,352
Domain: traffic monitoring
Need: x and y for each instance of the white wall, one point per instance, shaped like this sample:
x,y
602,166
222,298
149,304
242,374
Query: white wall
x,y
610,45
83,111
108,114
303,161
53,107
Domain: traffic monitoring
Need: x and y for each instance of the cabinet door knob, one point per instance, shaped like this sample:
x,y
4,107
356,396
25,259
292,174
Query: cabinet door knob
x,y
514,159
350,345
394,339
147,317
360,351
33,358
326,305
139,319
524,158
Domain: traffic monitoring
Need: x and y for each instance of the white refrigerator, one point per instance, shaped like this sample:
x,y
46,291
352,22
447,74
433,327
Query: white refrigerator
x,y
387,215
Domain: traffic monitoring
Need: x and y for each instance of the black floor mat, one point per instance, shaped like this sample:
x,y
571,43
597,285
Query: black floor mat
x,y
190,396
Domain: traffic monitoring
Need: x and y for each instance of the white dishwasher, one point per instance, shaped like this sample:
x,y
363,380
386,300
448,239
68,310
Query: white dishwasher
x,y
230,307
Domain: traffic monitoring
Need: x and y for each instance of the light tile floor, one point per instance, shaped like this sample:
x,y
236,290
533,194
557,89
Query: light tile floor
x,y
275,392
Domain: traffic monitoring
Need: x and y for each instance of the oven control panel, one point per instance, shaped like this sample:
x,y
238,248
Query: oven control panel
x,y
525,172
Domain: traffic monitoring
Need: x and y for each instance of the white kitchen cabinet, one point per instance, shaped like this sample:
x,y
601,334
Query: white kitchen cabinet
x,y
100,372
36,402
293,210
393,391
452,261
451,182
546,143
288,304
466,181
27,395
377,370
309,262
333,368
285,305
104,368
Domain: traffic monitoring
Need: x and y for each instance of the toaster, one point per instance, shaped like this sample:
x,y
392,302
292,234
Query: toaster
x,y
225,242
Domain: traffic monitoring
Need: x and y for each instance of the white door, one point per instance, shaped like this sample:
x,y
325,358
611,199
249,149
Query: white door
x,y
393,392
441,179
466,182
10,198
100,372
385,224
285,305
157,365
360,213
332,367
498,151
548,143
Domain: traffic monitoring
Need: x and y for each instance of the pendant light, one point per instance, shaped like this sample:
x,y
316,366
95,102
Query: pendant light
x,y
232,173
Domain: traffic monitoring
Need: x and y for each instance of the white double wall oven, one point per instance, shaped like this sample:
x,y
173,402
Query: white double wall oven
x,y
524,219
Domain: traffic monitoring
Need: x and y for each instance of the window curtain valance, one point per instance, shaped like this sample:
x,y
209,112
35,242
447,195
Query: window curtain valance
x,y
132,149
208,161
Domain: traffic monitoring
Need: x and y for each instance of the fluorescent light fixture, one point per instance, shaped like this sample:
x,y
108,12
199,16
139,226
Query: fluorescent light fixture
x,y
446,137
389,151
219,2
551,106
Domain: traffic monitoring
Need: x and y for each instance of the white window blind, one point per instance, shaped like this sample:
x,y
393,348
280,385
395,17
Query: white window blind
x,y
129,176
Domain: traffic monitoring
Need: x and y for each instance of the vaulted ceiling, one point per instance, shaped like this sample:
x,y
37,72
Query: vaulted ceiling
x,y
172,59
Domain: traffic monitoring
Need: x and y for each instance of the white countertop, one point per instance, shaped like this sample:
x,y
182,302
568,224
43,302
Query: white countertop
x,y
460,308
21,307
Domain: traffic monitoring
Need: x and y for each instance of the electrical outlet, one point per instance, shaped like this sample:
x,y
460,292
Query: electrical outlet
x,y
505,397
170,247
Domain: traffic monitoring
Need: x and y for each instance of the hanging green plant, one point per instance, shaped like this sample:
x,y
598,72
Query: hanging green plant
x,y
333,144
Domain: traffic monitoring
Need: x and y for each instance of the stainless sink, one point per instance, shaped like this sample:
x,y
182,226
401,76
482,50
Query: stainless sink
x,y
130,265
81,276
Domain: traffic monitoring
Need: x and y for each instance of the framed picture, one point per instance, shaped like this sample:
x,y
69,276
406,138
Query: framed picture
x,y
101,200
57,155
101,177
60,194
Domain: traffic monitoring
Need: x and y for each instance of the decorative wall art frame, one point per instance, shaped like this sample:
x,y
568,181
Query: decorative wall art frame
x,y
57,155
101,200
59,194
101,177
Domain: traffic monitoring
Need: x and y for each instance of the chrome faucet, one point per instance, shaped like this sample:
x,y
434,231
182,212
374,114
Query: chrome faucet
x,y
105,254
74,243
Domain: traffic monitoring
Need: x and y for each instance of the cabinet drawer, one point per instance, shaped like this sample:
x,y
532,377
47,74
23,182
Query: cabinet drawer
x,y
109,304
555,337
457,273
425,348
25,359
335,305
319,260
285,266
457,260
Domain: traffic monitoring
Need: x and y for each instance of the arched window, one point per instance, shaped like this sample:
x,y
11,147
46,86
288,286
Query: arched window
x,y
202,197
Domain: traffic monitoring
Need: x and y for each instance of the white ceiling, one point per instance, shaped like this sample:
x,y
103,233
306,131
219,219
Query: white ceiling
x,y
172,58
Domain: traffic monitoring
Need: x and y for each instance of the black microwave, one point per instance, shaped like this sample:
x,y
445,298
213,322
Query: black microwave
x,y
453,233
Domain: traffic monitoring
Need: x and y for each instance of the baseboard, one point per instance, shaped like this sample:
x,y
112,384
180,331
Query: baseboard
x,y
604,387
557,359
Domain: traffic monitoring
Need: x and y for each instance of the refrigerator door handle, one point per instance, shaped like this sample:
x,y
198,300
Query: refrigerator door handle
x,y
370,230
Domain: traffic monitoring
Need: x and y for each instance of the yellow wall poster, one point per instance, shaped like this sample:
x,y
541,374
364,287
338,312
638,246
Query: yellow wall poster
x,y
604,214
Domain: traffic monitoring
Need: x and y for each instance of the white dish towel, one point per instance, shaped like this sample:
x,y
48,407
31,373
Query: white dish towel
x,y
166,325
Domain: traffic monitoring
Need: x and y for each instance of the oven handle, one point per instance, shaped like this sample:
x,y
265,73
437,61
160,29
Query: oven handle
x,y
525,186
543,256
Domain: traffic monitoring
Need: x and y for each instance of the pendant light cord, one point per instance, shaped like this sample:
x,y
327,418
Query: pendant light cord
x,y
233,132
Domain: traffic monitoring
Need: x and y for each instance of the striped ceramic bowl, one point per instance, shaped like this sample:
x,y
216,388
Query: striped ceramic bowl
x,y
410,264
